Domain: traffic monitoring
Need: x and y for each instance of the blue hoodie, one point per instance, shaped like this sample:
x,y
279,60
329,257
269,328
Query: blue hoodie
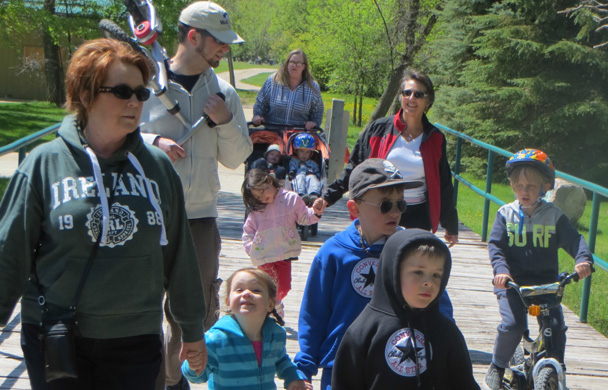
x,y
340,284
232,363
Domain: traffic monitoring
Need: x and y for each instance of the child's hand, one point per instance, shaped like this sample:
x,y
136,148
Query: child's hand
x,y
196,355
319,206
298,385
583,270
500,280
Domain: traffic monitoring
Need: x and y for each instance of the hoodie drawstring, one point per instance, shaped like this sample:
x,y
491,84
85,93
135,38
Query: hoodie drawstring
x,y
163,235
105,209
103,198
413,338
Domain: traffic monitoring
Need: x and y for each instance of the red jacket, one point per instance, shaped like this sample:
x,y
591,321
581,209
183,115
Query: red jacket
x,y
378,139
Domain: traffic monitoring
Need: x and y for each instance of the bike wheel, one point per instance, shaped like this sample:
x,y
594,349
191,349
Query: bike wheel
x,y
546,379
518,357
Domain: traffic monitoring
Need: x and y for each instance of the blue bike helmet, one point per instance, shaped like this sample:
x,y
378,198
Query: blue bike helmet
x,y
304,141
535,158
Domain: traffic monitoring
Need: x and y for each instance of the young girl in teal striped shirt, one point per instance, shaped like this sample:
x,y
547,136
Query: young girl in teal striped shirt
x,y
247,348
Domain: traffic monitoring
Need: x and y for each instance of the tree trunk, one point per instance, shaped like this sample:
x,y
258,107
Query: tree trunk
x,y
53,68
231,69
355,109
360,108
388,96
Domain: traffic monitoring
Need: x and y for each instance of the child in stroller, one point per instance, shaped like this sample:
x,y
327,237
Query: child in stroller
x,y
272,162
303,170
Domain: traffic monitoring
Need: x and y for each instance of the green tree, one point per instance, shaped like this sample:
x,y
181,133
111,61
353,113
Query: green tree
x,y
61,24
524,76
411,23
347,36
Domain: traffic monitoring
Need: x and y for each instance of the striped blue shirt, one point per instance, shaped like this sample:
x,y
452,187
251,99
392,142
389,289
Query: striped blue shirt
x,y
278,104
232,363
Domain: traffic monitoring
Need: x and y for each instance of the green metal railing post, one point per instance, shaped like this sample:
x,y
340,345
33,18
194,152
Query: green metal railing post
x,y
21,155
486,203
595,209
457,168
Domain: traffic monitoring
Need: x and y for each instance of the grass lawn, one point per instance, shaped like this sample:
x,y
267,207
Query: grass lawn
x,y
223,67
258,79
470,212
22,119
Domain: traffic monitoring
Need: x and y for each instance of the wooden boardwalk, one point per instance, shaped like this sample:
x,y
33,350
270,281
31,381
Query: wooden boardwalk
x,y
475,307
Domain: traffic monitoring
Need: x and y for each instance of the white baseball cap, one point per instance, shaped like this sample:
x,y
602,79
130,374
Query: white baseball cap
x,y
206,15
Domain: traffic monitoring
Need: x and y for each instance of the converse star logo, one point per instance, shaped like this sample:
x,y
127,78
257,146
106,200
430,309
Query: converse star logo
x,y
402,354
122,225
363,276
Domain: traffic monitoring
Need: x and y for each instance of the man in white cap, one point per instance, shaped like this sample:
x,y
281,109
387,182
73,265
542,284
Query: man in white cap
x,y
205,33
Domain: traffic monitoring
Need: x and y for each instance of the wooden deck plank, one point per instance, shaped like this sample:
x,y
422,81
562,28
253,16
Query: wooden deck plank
x,y
475,308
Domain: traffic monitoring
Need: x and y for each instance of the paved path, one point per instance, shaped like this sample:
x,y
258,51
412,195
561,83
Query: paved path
x,y
243,74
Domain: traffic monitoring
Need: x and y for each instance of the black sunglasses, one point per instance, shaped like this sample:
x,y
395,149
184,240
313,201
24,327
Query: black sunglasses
x,y
387,206
417,94
125,92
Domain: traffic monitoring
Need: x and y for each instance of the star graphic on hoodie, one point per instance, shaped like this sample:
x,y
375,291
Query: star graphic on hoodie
x,y
408,352
370,276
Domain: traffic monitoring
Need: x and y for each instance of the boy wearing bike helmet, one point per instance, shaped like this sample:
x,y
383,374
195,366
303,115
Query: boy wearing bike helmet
x,y
303,170
523,246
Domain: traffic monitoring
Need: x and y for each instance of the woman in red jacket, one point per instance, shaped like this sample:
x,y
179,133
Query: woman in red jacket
x,y
418,150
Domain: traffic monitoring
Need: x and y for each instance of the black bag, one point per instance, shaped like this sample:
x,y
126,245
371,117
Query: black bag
x,y
58,343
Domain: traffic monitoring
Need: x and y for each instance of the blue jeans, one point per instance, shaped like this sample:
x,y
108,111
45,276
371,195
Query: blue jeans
x,y
120,364
306,184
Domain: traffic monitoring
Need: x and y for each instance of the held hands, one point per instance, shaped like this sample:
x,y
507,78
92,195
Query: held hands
x,y
217,110
500,280
196,355
170,147
583,270
451,239
257,120
299,385
319,206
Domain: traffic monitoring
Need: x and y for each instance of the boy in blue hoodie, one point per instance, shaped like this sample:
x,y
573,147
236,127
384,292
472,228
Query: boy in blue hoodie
x,y
341,278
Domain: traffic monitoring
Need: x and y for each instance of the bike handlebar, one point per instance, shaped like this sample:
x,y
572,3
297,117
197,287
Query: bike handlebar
x,y
546,289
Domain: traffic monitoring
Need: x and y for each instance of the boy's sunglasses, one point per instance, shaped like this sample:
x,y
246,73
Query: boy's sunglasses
x,y
417,94
387,206
125,92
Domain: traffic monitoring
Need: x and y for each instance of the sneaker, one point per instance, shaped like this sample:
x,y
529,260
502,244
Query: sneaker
x,y
181,385
493,378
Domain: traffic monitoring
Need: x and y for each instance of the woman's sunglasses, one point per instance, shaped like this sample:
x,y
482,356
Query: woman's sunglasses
x,y
125,92
417,94
387,206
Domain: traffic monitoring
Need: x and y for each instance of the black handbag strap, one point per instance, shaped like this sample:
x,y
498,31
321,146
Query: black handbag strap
x,y
88,266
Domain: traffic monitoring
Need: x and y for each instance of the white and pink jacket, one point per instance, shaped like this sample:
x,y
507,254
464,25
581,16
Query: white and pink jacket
x,y
271,235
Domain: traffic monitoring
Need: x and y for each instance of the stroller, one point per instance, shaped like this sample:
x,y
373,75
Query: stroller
x,y
283,136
